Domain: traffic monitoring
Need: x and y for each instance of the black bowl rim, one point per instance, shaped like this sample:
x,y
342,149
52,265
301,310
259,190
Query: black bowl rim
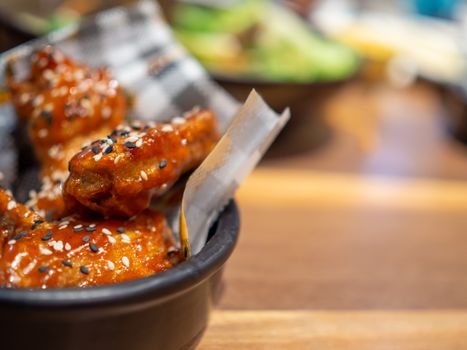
x,y
166,284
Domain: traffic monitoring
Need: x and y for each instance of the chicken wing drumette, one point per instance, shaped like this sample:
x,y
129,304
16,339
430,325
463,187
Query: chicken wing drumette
x,y
118,176
78,252
65,105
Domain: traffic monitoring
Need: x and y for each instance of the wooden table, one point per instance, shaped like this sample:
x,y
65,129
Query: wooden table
x,y
359,244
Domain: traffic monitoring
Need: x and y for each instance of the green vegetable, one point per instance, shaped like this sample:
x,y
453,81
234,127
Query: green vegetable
x,y
260,39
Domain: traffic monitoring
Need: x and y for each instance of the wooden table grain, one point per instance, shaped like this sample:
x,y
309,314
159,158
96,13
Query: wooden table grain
x,y
359,244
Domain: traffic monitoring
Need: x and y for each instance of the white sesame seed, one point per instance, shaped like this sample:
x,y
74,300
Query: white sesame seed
x,y
132,139
97,157
139,143
106,112
11,241
78,226
45,251
43,133
111,239
167,128
62,227
11,205
106,231
58,246
184,142
178,120
38,100
92,225
144,176
51,243
67,246
117,158
125,237
126,261
111,265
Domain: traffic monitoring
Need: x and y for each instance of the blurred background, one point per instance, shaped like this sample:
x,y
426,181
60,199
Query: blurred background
x,y
378,94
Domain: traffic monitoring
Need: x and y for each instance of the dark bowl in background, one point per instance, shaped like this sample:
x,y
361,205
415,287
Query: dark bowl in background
x,y
306,128
166,311
454,101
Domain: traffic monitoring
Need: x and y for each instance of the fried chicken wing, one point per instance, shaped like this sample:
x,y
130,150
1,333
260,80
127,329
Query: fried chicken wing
x,y
118,176
76,252
65,105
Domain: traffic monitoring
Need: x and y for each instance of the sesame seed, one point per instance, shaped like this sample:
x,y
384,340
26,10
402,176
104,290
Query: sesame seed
x,y
139,143
47,236
108,149
126,261
130,145
184,142
124,133
121,230
111,239
133,139
178,120
36,223
11,242
106,112
117,158
92,225
111,265
67,263
43,133
93,247
90,229
63,227
97,157
20,235
67,246
95,149
84,270
45,251
78,226
125,238
167,128
86,239
144,176
38,100
106,231
162,164
77,229
11,205
58,246
43,268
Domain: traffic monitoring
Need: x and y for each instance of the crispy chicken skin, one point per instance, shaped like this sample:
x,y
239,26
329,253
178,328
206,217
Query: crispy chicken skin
x,y
78,252
118,176
65,105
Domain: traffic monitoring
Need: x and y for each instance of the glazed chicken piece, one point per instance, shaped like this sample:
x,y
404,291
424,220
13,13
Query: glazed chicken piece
x,y
65,105
76,252
118,176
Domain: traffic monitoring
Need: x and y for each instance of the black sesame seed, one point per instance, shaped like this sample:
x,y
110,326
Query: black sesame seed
x,y
90,229
47,236
36,223
95,149
124,133
78,229
43,268
114,132
111,138
86,239
20,235
93,247
121,230
47,116
67,263
108,150
84,270
136,127
162,164
130,145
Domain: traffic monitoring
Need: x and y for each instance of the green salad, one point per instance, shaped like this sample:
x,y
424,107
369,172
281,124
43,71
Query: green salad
x,y
259,39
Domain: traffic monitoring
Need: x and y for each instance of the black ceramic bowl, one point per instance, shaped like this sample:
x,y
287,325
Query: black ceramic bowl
x,y
165,311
